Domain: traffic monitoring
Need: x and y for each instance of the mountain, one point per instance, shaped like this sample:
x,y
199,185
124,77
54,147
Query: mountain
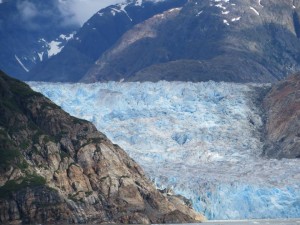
x,y
220,40
282,108
57,168
30,32
185,40
96,36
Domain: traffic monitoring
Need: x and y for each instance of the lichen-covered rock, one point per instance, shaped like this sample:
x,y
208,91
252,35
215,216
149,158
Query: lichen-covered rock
x,y
56,168
282,105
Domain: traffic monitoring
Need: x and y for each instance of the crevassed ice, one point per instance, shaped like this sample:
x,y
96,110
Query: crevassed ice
x,y
203,140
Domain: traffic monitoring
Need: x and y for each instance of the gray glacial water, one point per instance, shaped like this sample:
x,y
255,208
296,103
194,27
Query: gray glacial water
x,y
255,222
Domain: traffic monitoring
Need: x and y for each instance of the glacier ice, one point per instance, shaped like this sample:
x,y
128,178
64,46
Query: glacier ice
x,y
203,140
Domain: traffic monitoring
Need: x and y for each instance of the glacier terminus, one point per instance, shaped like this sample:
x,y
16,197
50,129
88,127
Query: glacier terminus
x,y
201,140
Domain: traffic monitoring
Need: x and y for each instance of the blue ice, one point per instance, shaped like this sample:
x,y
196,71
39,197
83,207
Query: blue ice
x,y
202,140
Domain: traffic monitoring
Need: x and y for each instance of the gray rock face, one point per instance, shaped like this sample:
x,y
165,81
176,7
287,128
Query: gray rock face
x,y
236,40
282,105
56,168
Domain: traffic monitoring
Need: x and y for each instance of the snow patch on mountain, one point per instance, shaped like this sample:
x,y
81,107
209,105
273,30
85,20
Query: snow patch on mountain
x,y
118,9
21,64
227,10
203,140
200,12
67,37
235,19
122,8
226,22
220,6
254,10
54,47
41,54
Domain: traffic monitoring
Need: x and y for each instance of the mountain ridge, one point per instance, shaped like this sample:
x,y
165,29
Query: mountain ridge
x,y
211,40
223,40
96,36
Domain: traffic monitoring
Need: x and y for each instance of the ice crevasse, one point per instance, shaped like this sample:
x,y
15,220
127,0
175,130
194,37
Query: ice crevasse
x,y
202,140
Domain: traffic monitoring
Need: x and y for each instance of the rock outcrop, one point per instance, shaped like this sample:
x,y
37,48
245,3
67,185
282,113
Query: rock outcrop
x,y
57,168
282,105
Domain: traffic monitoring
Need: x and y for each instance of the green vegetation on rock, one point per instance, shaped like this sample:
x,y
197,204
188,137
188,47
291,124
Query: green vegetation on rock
x,y
8,152
31,180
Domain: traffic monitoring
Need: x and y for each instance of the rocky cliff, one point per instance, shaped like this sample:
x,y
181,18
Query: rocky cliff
x,y
57,168
282,105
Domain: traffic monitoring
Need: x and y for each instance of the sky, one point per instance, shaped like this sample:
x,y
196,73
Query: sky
x,y
73,11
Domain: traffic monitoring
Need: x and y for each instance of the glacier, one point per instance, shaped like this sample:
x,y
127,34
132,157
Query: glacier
x,y
201,140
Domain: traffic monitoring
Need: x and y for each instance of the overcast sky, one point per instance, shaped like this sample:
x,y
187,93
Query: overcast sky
x,y
73,11
81,10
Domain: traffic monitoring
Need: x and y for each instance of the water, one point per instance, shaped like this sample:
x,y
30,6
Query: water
x,y
255,222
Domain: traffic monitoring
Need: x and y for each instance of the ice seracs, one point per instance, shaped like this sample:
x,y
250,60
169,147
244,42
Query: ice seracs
x,y
201,139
